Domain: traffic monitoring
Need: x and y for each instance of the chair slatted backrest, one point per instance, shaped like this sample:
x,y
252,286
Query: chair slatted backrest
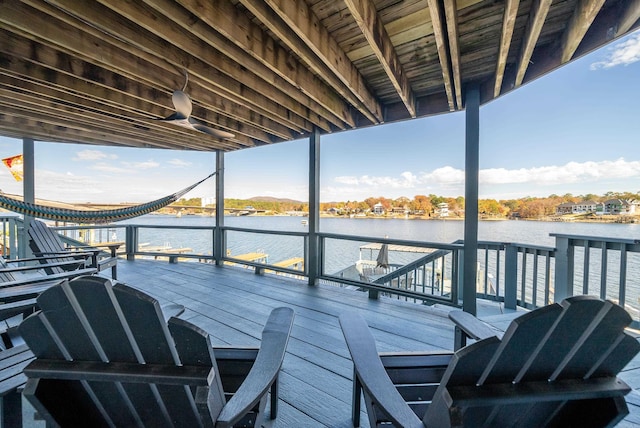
x,y
87,319
44,240
583,338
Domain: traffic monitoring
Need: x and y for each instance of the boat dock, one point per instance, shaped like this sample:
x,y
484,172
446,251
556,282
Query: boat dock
x,y
296,263
255,257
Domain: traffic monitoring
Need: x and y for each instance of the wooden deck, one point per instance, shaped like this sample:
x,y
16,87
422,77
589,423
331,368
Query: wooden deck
x,y
232,304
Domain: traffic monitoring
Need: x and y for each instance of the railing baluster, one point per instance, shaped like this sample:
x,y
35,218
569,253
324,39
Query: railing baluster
x,y
547,279
622,296
523,280
497,275
585,268
486,271
603,272
534,285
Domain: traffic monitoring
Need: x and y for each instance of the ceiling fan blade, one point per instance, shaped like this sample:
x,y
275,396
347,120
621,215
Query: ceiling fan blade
x,y
211,131
182,103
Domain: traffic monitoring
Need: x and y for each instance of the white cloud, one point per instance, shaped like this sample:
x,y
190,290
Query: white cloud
x,y
85,155
406,180
179,163
141,165
572,172
623,53
108,168
449,181
444,175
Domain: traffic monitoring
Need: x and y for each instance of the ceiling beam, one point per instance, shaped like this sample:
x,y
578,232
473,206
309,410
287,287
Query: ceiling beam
x,y
451,17
629,16
295,24
537,16
366,16
582,18
440,35
508,24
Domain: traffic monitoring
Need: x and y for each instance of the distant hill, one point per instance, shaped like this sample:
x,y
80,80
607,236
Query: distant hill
x,y
272,199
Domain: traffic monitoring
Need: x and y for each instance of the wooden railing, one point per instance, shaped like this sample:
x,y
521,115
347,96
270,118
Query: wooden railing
x,y
513,274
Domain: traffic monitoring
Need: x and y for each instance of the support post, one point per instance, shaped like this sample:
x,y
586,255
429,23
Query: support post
x,y
219,236
510,276
28,190
314,260
563,279
472,171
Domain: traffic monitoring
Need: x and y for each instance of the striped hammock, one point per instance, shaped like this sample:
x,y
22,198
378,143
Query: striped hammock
x,y
101,216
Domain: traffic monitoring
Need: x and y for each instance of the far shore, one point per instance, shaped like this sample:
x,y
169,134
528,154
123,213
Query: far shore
x,y
577,218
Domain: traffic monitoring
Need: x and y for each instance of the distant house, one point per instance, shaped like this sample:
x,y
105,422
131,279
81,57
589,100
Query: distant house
x,y
378,209
565,208
586,207
620,206
399,210
577,208
442,210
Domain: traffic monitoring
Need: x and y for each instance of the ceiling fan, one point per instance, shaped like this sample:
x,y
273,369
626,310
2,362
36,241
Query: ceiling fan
x,y
182,116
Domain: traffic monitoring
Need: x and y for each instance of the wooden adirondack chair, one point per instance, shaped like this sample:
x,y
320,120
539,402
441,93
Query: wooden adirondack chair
x,y
28,280
106,357
45,242
555,366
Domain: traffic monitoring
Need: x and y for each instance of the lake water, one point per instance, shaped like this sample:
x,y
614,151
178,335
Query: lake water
x,y
340,254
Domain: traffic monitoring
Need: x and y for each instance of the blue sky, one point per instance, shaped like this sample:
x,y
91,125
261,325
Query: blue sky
x,y
576,130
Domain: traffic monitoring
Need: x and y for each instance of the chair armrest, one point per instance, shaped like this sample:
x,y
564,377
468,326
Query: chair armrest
x,y
30,281
53,278
264,372
76,263
372,374
8,310
100,247
472,327
41,258
86,254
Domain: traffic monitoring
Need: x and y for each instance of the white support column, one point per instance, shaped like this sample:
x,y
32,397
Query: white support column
x,y
472,172
218,245
314,253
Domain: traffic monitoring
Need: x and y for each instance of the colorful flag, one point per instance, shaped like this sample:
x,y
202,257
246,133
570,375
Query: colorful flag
x,y
14,163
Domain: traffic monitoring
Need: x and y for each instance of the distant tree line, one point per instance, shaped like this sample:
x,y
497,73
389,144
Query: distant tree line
x,y
426,205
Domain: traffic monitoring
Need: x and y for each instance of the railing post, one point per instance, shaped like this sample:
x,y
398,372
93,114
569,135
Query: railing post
x,y
471,175
563,279
131,241
314,207
510,276
219,244
14,240
458,283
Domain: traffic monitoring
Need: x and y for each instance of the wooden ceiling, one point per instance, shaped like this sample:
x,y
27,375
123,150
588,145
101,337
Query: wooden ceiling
x,y
103,72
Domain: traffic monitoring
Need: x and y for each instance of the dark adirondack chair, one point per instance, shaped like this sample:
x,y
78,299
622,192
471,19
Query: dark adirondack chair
x,y
21,279
105,356
555,366
14,356
45,242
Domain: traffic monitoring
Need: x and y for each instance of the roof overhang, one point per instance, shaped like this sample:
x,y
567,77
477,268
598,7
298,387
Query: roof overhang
x,y
274,70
